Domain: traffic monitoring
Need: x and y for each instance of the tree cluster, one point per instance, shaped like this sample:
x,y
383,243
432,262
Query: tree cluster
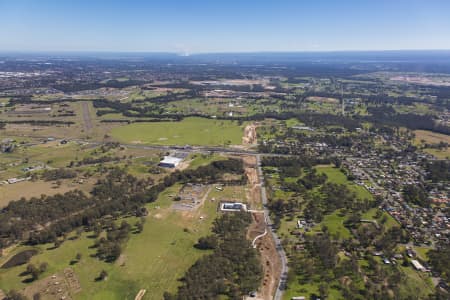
x,y
416,194
109,248
43,219
232,270
56,174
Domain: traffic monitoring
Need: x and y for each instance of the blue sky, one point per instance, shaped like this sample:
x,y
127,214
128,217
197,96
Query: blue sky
x,y
223,26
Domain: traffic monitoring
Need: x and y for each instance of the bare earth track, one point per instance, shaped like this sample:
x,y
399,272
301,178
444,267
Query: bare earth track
x,y
86,116
270,259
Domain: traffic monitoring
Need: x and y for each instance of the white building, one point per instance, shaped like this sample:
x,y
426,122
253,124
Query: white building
x,y
417,265
233,206
170,162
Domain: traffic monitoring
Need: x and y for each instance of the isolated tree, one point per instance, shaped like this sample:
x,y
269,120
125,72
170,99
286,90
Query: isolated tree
x,y
57,243
43,267
15,295
33,271
103,275
209,242
97,230
37,296
139,226
323,291
79,231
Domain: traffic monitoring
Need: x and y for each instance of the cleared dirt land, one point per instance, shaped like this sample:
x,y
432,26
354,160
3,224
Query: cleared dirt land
x,y
430,137
86,117
253,191
28,189
270,259
190,131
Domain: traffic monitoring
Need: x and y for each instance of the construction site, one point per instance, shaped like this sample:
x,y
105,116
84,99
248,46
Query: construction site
x,y
191,196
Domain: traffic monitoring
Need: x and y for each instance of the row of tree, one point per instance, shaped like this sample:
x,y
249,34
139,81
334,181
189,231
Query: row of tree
x,y
43,219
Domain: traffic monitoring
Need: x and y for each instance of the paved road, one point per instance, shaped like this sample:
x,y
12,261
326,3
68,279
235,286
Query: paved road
x,y
284,267
194,149
86,116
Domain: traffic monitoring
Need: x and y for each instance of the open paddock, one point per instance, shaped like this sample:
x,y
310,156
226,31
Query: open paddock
x,y
429,137
28,189
189,131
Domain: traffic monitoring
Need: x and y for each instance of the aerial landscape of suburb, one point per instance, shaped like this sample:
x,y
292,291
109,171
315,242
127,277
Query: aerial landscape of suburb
x,y
184,150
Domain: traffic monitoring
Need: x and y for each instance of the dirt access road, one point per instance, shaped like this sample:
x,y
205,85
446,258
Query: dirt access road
x,y
280,253
266,245
86,116
270,259
253,192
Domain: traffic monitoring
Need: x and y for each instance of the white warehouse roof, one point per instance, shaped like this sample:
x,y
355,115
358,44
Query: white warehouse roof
x,y
170,160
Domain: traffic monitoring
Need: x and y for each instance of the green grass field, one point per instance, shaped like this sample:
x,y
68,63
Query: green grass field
x,y
190,131
335,224
336,176
198,160
432,138
390,221
153,260
295,289
417,284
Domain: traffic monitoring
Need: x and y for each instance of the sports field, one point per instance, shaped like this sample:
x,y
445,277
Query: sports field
x,y
189,131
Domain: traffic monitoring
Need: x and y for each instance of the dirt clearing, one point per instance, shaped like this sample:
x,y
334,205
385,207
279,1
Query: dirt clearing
x,y
28,189
249,137
58,286
86,116
254,188
270,259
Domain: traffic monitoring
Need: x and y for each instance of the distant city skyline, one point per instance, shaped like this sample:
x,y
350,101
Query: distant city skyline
x,y
200,26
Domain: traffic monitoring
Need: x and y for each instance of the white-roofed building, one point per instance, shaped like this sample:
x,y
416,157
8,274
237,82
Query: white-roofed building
x,y
233,206
170,162
417,265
